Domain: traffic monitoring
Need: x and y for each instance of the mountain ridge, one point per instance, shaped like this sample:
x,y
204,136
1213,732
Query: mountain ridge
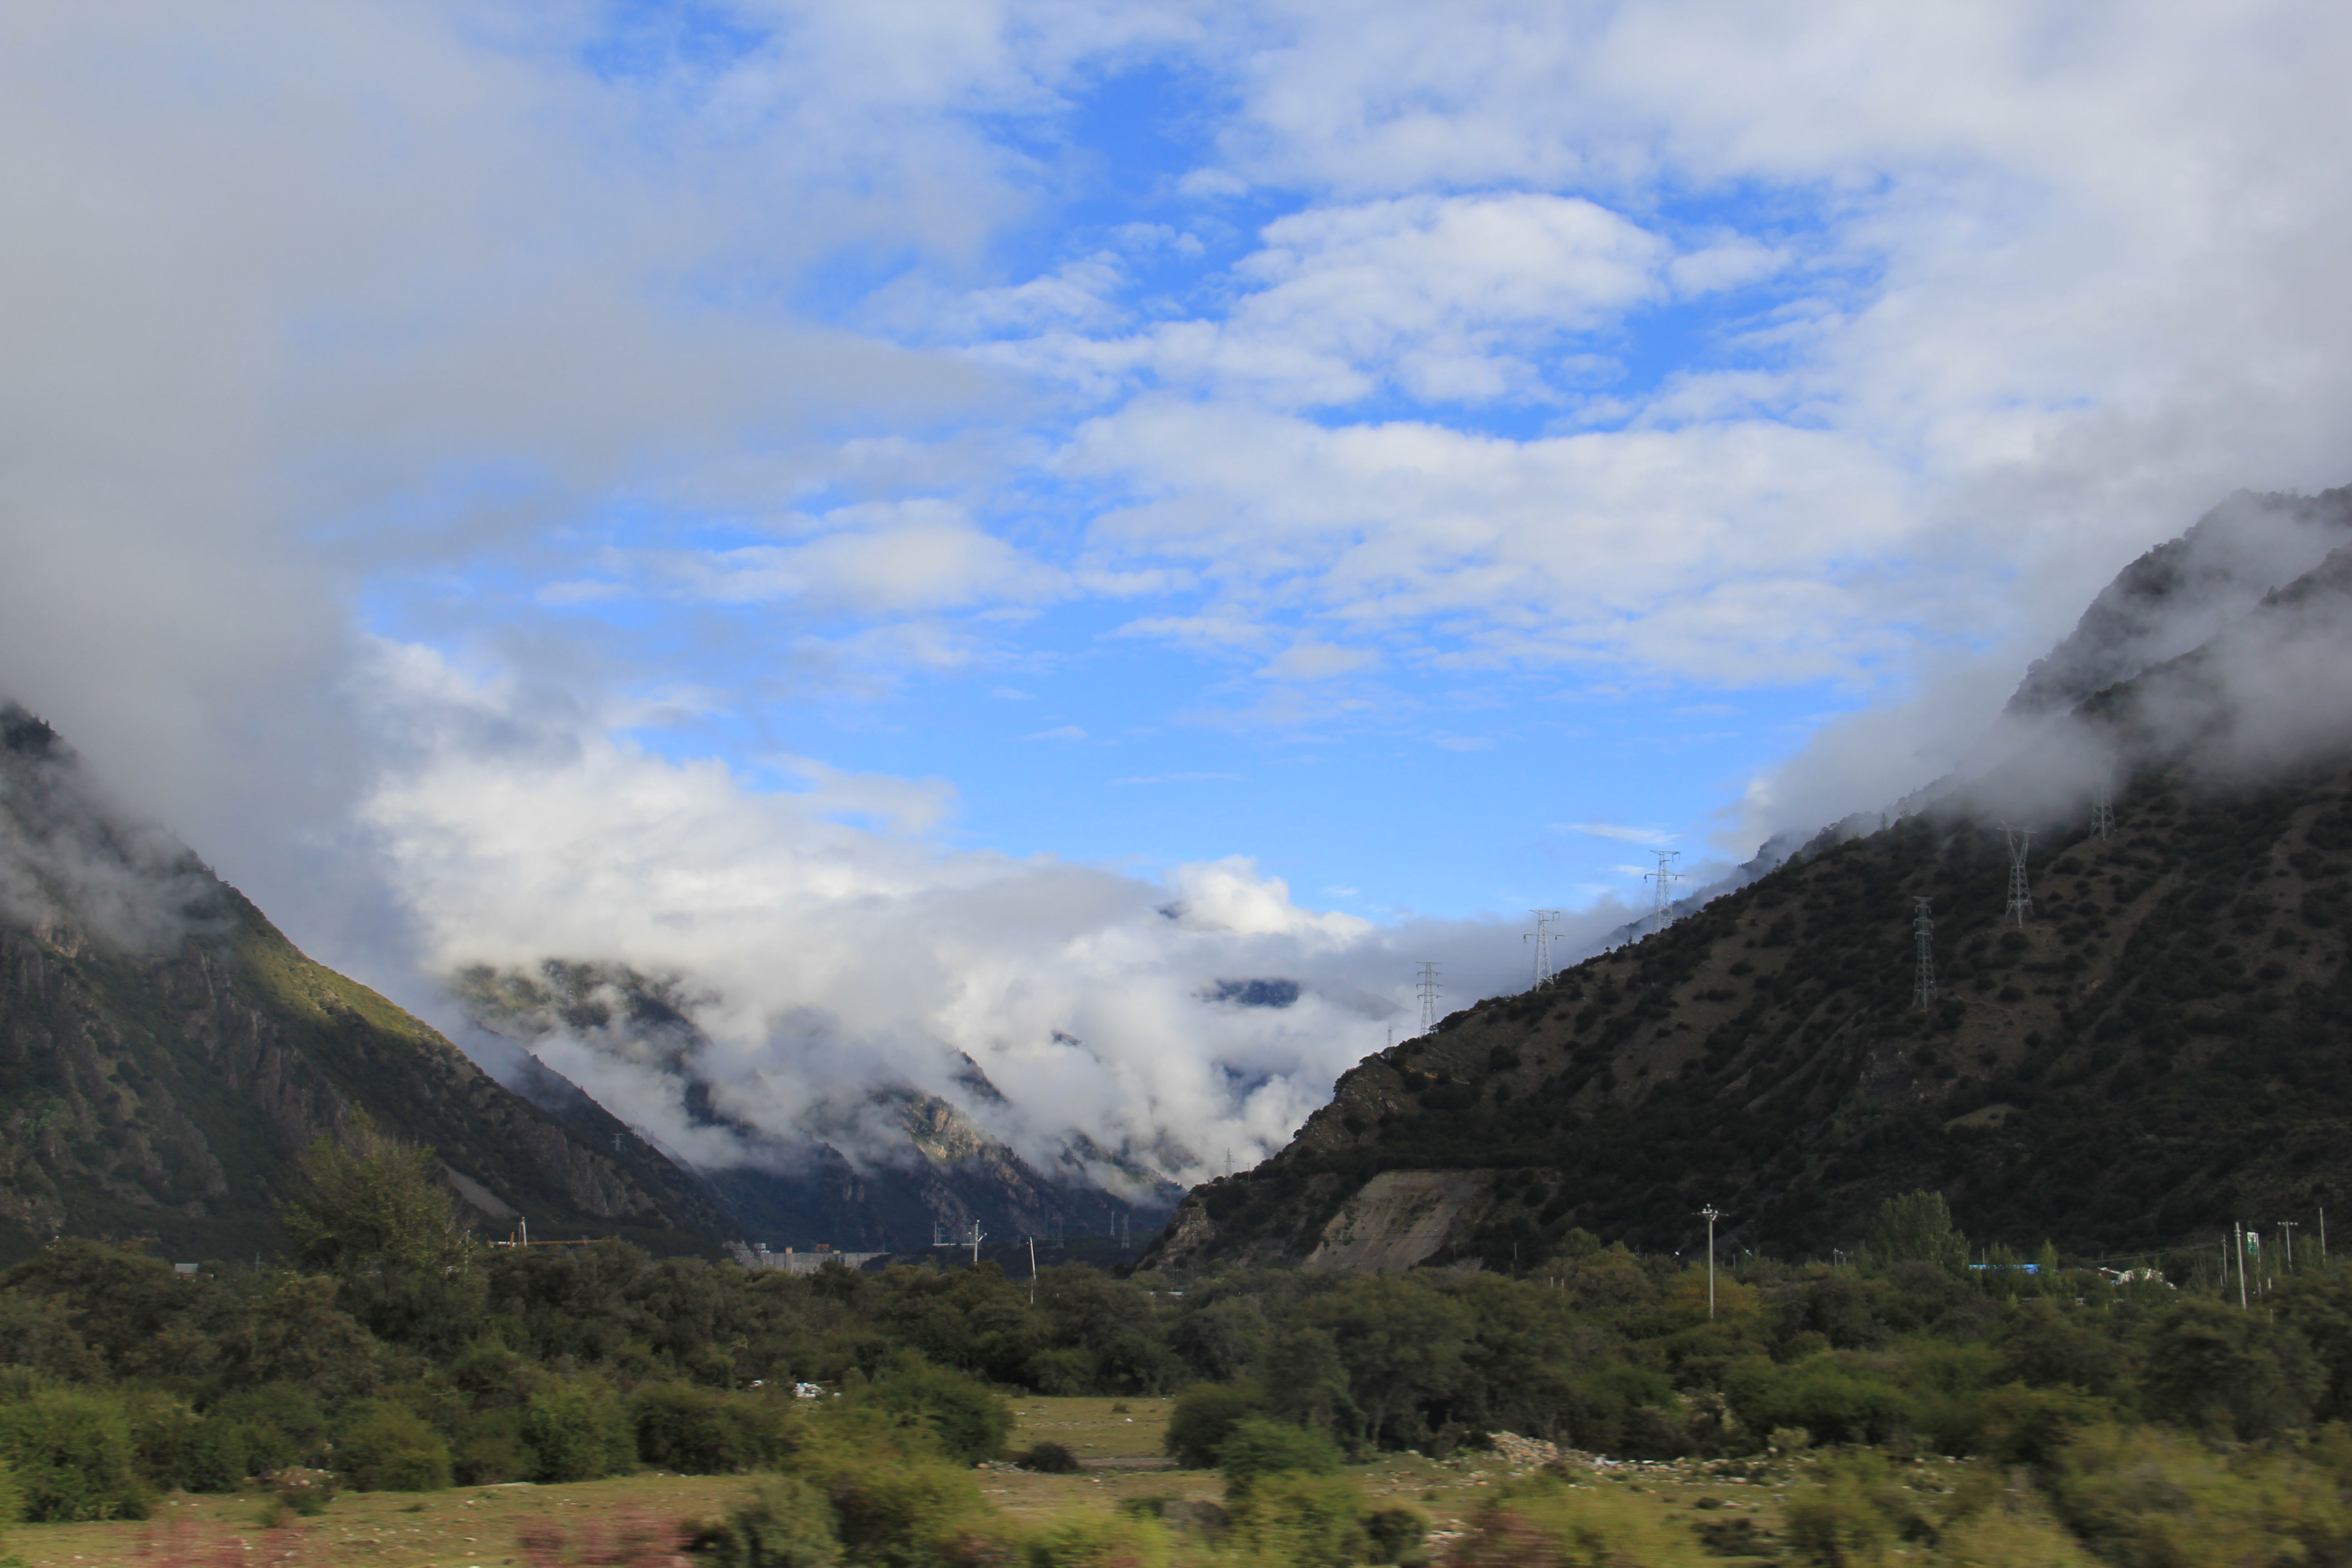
x,y
2160,1048
166,1053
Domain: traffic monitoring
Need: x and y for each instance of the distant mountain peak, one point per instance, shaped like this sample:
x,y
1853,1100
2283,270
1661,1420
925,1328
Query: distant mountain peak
x,y
2178,595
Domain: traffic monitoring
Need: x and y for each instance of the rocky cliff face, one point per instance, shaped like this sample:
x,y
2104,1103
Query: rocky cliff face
x,y
2162,1045
165,1053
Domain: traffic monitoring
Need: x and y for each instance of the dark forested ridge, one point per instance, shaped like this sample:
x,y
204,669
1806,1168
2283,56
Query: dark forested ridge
x,y
2164,1047
165,1054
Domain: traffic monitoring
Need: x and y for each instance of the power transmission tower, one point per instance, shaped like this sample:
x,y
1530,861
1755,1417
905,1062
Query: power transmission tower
x,y
1430,990
1665,881
1542,937
2103,807
1923,973
2020,900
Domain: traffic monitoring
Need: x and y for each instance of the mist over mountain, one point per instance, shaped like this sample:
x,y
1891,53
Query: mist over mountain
x,y
883,1166
165,1054
2158,1046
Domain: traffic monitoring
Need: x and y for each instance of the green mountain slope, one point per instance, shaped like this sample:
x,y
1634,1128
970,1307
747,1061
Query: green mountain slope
x,y
2165,1046
165,1053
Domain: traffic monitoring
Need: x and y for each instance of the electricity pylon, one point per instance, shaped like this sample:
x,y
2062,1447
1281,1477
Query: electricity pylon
x,y
1665,881
1430,990
1923,971
2020,900
1542,937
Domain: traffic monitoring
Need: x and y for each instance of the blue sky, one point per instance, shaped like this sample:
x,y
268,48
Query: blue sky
x,y
1430,778
955,527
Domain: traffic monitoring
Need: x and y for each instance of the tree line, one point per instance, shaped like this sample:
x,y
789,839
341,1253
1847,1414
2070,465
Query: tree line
x,y
388,1349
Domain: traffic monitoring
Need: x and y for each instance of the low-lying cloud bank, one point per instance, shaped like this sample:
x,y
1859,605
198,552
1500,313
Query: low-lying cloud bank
x,y
1189,1023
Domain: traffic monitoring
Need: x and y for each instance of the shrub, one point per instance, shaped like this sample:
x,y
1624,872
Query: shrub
x,y
2021,1426
2146,1497
577,1431
281,1406
163,1438
72,1457
1997,1526
896,1502
1202,1417
1302,1520
382,1446
783,1522
1261,1445
696,1431
970,1420
1048,1459
1544,1522
1099,1540
1830,1397
898,1516
2220,1370
489,1448
229,1453
1396,1533
1851,1514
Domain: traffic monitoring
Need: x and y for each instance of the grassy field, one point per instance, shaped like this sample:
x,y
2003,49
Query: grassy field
x,y
1117,1441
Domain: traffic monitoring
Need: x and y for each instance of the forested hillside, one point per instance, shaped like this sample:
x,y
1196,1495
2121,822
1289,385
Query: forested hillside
x,y
2158,1048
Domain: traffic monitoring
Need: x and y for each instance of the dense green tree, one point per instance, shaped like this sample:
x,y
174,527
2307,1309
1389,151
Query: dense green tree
x,y
368,1199
1916,1228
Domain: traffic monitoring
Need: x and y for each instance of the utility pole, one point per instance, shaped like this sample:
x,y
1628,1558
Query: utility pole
x,y
2020,900
1542,937
2240,1228
1923,970
1710,1214
1430,992
2286,1231
1033,1271
2322,1236
1666,879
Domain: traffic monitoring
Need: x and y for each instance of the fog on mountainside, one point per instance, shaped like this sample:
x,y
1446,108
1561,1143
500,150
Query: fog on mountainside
x,y
166,1055
2152,1042
816,978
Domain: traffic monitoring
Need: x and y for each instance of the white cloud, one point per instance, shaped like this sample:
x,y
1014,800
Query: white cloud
x,y
874,558
1317,661
828,956
1618,831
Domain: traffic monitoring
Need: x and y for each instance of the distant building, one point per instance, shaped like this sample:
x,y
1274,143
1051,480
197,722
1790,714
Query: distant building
x,y
755,1255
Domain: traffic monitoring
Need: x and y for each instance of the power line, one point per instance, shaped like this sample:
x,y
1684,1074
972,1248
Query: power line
x,y
1923,971
2021,899
1430,992
1542,937
1665,881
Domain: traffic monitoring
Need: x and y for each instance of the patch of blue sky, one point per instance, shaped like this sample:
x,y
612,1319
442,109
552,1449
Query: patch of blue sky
x,y
641,39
